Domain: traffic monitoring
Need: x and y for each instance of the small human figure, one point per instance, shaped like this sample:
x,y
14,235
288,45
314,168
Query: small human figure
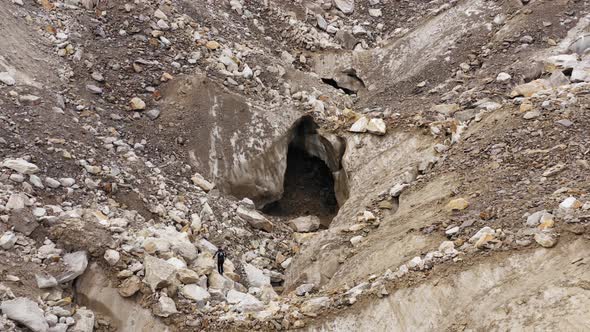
x,y
220,259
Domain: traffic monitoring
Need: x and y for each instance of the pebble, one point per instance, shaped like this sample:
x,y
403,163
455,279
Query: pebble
x,y
503,77
531,115
137,104
7,79
52,183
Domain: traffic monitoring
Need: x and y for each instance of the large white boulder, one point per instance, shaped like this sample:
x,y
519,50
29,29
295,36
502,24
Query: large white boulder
x,y
25,312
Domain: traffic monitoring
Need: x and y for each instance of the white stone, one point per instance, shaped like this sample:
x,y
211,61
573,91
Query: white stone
x,y
195,293
8,240
45,280
84,321
255,276
36,181
360,126
503,77
568,203
16,201
345,6
26,312
244,302
375,12
76,263
305,224
112,256
200,181
158,272
377,126
255,219
356,240
165,307
7,79
52,183
67,182
21,166
416,263
160,14
481,233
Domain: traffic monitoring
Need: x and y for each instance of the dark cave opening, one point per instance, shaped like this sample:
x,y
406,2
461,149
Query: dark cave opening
x,y
308,187
334,84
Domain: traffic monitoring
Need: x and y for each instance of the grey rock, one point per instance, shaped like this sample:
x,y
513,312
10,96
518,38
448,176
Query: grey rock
x,y
76,263
45,280
244,302
255,219
305,224
20,165
304,289
84,321
165,307
153,114
158,272
94,89
25,312
7,79
345,6
7,240
195,293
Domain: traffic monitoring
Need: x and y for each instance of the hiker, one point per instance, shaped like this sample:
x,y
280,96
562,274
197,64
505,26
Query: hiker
x,y
220,259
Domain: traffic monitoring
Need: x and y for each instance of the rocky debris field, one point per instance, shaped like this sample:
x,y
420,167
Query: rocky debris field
x,y
131,133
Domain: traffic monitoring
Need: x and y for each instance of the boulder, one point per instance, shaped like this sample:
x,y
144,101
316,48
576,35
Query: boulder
x,y
360,126
25,312
217,281
129,286
112,257
20,165
304,289
255,276
187,276
7,240
158,272
165,307
255,219
204,264
311,307
76,263
45,280
195,293
345,6
244,302
84,321
377,126
200,181
305,224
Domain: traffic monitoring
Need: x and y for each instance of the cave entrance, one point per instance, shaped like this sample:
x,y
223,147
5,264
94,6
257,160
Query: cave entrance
x,y
309,185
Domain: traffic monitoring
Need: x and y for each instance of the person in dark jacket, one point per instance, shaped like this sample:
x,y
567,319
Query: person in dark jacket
x,y
220,259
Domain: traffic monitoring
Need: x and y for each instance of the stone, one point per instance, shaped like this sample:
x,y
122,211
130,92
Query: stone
x,y
25,312
165,307
360,126
356,240
244,302
396,190
200,181
558,79
581,73
187,276
311,307
7,79
129,286
321,22
457,204
446,109
546,240
570,203
535,219
67,182
212,45
21,166
94,89
158,272
97,76
16,201
195,293
416,263
112,257
554,170
377,126
204,263
304,289
255,276
160,14
452,231
29,99
255,219
153,114
305,224
530,88
503,78
565,122
531,115
76,263
217,281
52,183
36,181
137,104
482,233
84,321
345,6
45,280
8,240
375,12
177,262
